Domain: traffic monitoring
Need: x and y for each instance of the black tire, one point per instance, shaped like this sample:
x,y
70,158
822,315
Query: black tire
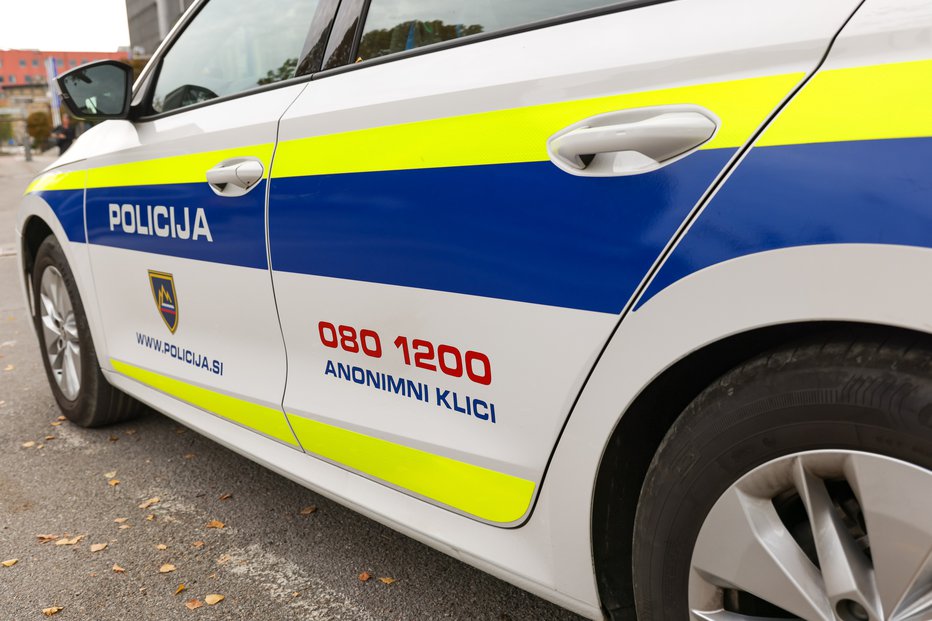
x,y
871,394
97,403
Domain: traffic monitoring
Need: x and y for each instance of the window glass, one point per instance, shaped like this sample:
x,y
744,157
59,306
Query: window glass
x,y
233,46
397,25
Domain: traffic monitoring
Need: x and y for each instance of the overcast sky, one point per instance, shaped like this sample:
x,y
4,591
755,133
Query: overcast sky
x,y
63,25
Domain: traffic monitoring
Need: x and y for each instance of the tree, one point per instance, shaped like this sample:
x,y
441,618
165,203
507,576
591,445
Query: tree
x,y
39,127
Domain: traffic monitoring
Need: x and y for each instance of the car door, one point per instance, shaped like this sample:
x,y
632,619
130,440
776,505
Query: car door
x,y
461,209
175,212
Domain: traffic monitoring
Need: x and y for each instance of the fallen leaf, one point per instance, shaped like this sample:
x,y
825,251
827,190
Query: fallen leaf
x,y
150,502
296,594
62,418
117,569
9,367
125,526
55,423
52,610
120,520
113,439
29,444
386,580
38,446
364,576
130,432
46,538
49,438
193,604
150,517
110,475
308,510
180,588
64,541
167,568
10,562
224,558
181,431
113,482
215,524
226,496
161,546
97,547
189,455
198,544
213,598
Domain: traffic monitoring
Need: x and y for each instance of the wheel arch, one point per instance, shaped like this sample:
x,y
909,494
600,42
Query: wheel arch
x,y
643,425
35,230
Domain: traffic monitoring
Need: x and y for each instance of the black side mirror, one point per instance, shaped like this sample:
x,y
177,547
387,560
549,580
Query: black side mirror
x,y
99,90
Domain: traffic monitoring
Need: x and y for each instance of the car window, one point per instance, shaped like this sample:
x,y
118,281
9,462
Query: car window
x,y
396,25
232,46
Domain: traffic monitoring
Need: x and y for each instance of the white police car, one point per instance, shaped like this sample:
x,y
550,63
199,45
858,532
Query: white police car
x,y
625,302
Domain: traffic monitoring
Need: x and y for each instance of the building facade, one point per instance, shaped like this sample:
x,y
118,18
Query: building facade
x,y
150,20
18,67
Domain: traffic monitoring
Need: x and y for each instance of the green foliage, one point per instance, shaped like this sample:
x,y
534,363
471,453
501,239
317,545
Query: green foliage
x,y
39,126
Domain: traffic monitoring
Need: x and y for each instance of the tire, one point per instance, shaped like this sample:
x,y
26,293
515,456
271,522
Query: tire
x,y
83,394
794,420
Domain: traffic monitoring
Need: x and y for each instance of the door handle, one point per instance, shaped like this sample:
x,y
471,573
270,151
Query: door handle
x,y
235,177
631,142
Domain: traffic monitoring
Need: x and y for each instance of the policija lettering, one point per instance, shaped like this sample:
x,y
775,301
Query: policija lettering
x,y
160,221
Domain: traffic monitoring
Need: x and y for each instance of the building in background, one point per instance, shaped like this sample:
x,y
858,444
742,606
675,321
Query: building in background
x,y
150,20
25,77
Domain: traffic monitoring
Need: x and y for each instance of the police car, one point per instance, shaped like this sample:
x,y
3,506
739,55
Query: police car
x,y
624,302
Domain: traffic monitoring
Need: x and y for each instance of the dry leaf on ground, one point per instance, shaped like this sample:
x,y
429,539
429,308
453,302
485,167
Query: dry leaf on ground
x,y
193,604
97,547
364,576
120,520
166,568
214,598
62,418
113,482
180,588
124,526
386,580
52,610
110,475
150,517
296,594
198,544
226,496
55,423
117,569
46,538
10,562
189,455
224,559
148,503
64,541
215,524
49,438
308,510
9,367
161,546
29,444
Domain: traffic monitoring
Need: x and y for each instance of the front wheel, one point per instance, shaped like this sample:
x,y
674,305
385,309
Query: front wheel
x,y
68,354
799,486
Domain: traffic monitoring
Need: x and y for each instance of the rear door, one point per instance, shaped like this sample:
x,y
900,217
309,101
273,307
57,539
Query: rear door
x,y
460,213
176,215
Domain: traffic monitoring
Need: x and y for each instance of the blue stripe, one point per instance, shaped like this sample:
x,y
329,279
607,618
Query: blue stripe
x,y
526,232
237,225
874,191
68,206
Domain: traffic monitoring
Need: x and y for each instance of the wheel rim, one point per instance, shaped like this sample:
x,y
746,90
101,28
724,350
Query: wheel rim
x,y
60,332
820,535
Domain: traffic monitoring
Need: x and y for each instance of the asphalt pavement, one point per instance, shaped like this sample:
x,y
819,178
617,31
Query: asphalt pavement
x,y
274,558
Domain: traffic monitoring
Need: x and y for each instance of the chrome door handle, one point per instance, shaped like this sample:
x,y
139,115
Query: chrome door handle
x,y
235,177
631,142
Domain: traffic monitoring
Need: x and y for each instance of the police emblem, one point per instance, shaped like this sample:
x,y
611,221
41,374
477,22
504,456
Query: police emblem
x,y
166,300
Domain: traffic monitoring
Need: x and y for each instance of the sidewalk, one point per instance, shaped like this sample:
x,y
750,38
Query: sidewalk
x,y
17,166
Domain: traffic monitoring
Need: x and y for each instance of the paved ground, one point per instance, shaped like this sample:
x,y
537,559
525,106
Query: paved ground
x,y
270,561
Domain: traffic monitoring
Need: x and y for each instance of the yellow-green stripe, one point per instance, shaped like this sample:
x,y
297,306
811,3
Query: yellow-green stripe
x,y
267,420
477,491
71,180
520,134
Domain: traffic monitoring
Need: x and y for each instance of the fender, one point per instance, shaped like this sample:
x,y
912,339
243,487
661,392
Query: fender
x,y
834,282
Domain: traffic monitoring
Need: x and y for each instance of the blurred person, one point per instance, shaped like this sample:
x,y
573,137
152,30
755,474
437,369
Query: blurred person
x,y
63,134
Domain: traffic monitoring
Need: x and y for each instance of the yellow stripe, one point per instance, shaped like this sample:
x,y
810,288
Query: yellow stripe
x,y
860,103
520,134
73,180
269,421
189,168
477,491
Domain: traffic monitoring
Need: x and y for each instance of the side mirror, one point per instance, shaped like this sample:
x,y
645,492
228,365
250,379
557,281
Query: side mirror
x,y
97,91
